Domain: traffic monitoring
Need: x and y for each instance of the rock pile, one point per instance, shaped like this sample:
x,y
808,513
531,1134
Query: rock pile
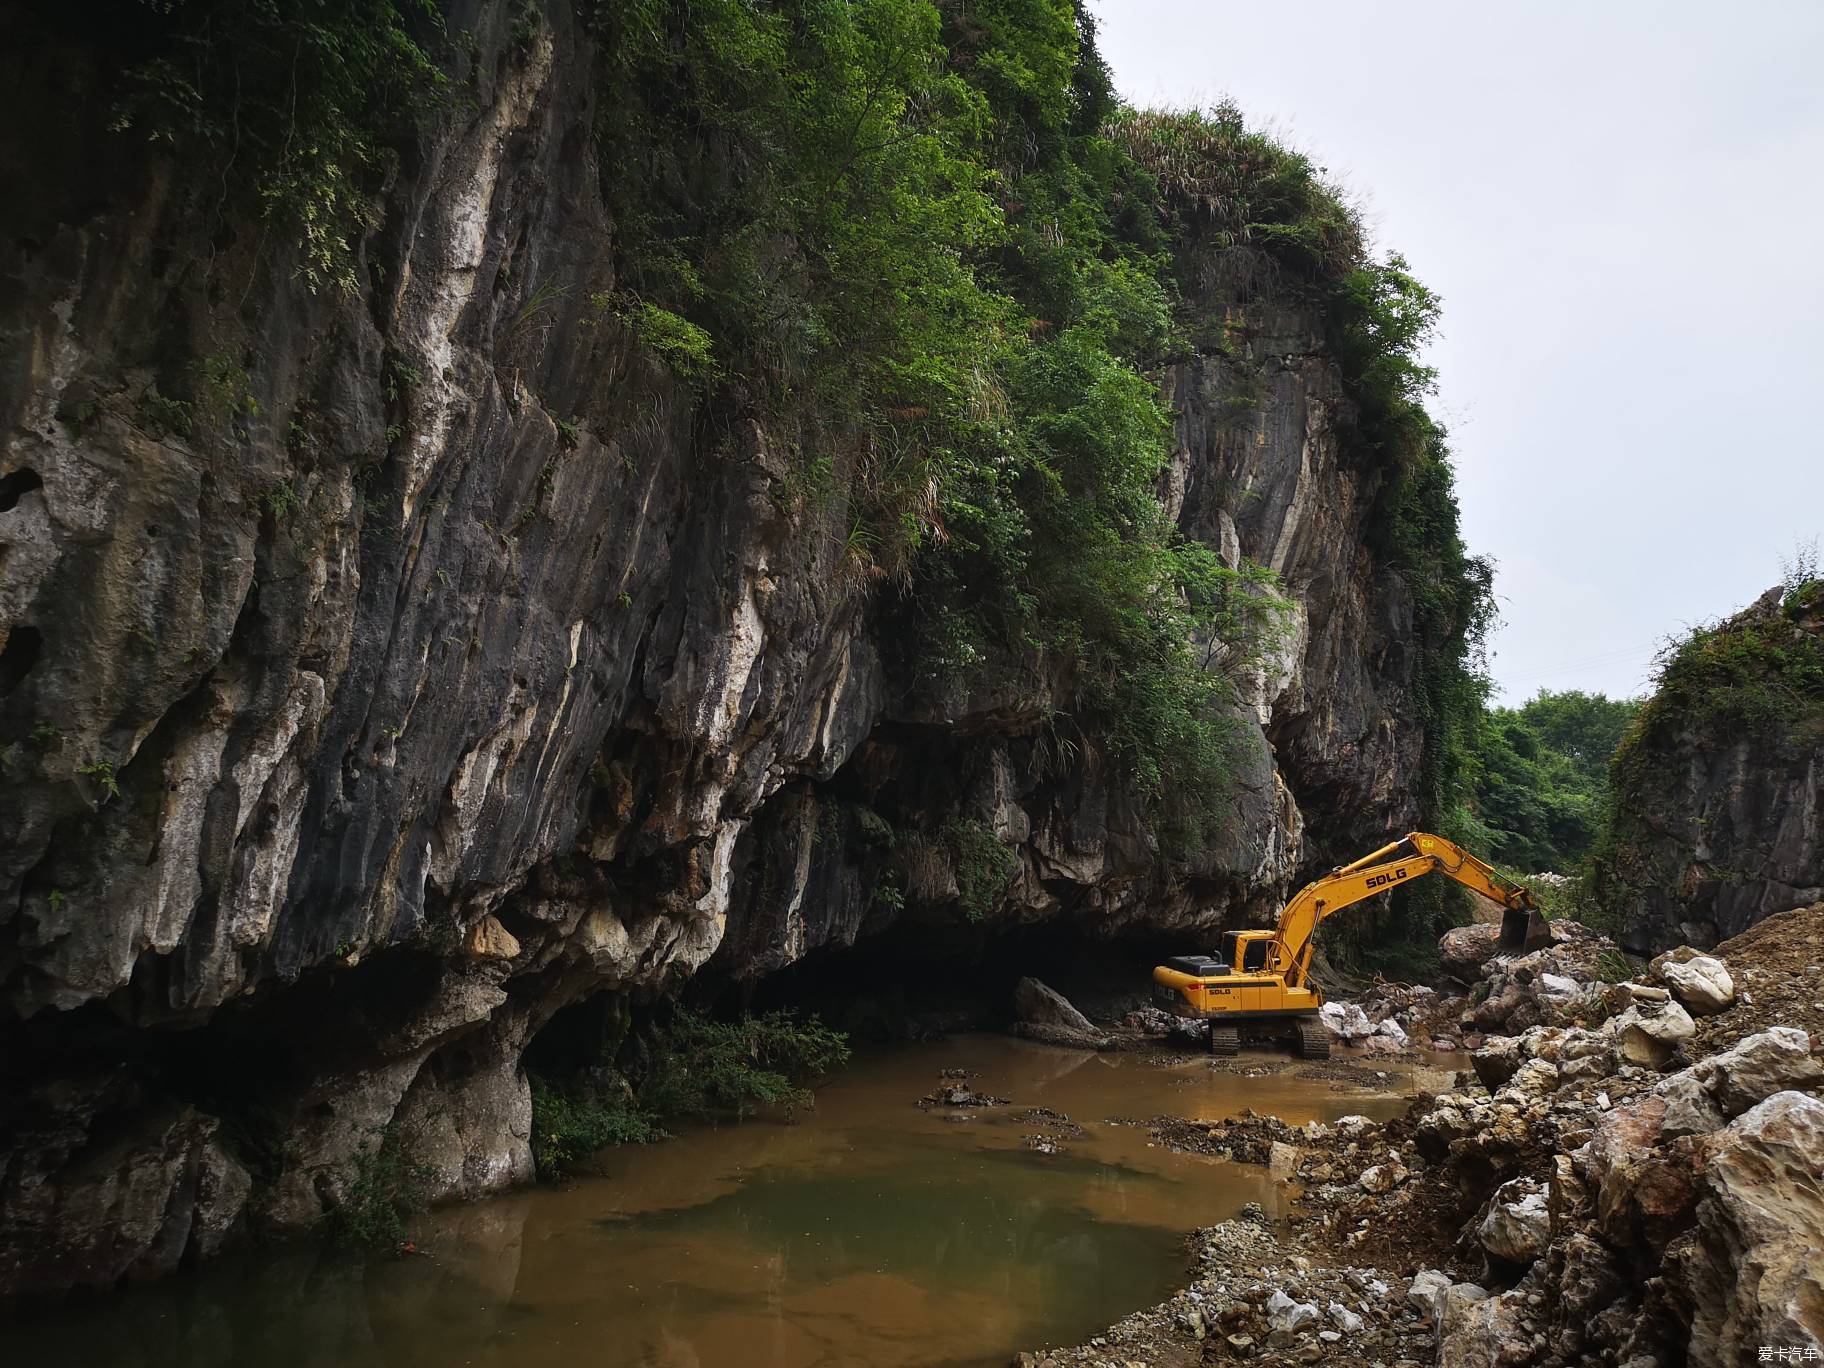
x,y
1630,1182
1253,1297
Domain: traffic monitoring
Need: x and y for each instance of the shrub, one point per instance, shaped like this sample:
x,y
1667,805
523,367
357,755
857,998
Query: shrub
x,y
387,1189
295,105
702,1067
567,1129
983,866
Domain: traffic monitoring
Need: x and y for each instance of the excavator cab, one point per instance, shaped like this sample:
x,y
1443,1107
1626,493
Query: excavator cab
x,y
1247,950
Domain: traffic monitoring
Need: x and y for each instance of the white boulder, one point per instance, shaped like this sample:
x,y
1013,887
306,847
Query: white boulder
x,y
1759,1066
1382,1177
1559,985
1690,1109
1427,1292
1287,1315
1345,1020
1519,1224
1702,983
1754,1275
1650,1030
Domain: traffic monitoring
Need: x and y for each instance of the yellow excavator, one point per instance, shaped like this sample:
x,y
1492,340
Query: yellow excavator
x,y
1264,983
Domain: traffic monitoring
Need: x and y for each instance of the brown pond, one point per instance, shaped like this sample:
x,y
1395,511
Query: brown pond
x,y
871,1232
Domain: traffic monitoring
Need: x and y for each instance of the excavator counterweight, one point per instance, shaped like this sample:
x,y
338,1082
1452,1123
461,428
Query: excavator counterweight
x,y
1264,976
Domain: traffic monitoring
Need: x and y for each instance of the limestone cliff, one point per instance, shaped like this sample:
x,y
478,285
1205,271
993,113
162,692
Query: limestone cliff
x,y
1718,810
361,713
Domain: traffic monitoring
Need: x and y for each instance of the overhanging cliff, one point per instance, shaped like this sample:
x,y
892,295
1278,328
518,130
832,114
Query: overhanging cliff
x,y
387,668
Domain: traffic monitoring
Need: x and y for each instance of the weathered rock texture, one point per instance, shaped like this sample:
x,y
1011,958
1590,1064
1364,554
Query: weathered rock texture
x,y
1719,815
359,716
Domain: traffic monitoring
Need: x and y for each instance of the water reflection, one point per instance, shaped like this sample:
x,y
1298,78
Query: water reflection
x,y
872,1232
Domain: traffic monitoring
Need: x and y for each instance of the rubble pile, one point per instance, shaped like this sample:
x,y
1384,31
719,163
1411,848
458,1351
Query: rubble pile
x,y
1633,1173
1253,1297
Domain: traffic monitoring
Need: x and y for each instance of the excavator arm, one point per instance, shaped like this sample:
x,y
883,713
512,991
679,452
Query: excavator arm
x,y
1411,857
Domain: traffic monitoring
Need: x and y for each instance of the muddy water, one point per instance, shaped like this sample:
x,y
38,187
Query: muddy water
x,y
870,1232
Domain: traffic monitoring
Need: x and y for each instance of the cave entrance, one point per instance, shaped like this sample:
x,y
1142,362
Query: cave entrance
x,y
910,983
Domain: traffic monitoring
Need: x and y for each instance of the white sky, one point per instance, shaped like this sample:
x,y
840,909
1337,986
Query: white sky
x,y
1622,205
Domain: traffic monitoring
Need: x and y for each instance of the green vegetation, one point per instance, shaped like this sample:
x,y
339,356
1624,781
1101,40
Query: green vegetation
x,y
387,1190
293,103
1538,778
938,249
695,1067
702,1067
102,772
982,864
1756,679
568,1129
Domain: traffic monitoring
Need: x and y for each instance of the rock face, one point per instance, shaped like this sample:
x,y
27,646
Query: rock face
x,y
1717,816
1752,1270
363,715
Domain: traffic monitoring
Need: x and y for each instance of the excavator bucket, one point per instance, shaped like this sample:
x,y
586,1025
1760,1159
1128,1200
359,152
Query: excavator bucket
x,y
1523,930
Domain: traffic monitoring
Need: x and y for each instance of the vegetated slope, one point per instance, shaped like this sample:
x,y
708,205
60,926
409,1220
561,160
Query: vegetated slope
x,y
1717,808
499,509
1538,781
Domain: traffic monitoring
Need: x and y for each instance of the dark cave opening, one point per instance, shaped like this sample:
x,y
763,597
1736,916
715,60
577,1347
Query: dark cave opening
x,y
913,982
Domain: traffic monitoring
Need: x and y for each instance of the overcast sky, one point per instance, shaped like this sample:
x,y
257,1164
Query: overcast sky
x,y
1622,205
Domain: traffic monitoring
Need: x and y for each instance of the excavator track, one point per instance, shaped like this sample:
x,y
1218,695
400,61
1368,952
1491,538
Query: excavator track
x,y
1313,1040
1224,1040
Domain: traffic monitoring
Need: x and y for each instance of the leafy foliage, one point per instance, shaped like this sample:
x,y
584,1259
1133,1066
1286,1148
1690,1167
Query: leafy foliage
x,y
695,1066
294,101
704,1067
569,1127
1539,778
386,1191
983,866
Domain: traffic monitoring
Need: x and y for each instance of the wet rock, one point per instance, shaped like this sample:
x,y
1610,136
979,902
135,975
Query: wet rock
x,y
1038,1005
953,1094
1702,983
1752,1273
1047,1034
1759,1066
1518,1224
157,1189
